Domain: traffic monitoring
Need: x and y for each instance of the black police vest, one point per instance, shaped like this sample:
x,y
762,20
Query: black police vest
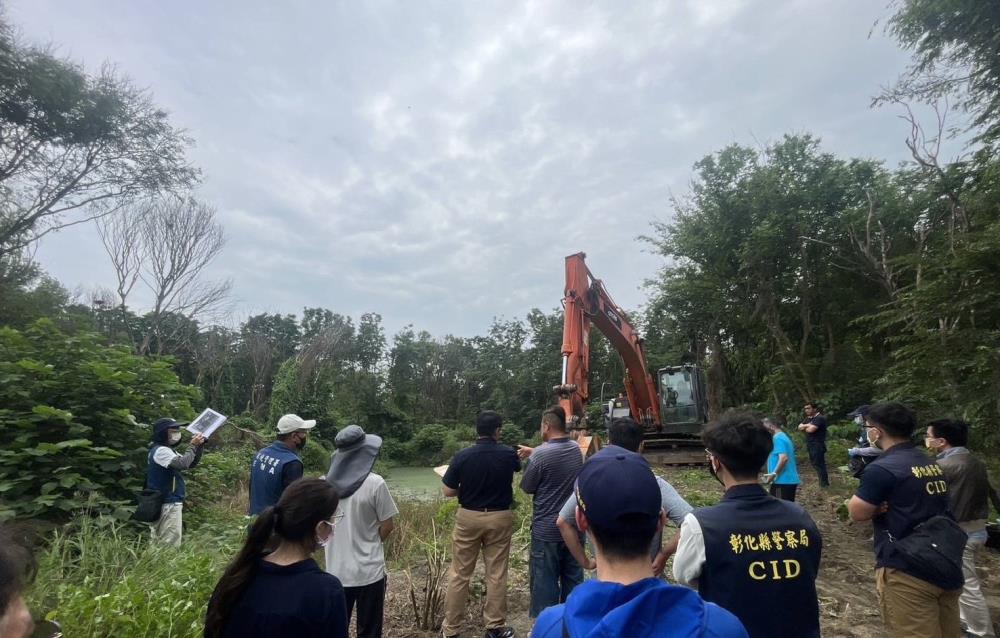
x,y
919,492
761,559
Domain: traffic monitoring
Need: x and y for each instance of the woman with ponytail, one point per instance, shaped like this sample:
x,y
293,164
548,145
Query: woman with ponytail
x,y
283,592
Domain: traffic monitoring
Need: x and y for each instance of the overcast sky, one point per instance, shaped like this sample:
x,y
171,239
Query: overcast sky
x,y
435,161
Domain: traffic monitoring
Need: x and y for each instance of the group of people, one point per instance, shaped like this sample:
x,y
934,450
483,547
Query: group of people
x,y
746,566
753,558
742,560
273,587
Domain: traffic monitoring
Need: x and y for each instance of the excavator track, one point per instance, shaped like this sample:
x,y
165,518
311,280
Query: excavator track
x,y
673,451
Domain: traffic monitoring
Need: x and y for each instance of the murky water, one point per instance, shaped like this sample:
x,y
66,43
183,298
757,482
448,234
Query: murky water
x,y
414,483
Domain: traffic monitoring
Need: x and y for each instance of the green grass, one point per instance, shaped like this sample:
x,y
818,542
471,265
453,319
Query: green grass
x,y
99,577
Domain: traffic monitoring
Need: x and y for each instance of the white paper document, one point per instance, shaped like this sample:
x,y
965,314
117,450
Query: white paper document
x,y
207,423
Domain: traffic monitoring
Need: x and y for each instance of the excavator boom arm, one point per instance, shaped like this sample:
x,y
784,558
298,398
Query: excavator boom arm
x,y
587,302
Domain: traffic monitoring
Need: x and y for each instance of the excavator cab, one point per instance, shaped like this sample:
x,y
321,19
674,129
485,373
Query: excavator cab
x,y
683,399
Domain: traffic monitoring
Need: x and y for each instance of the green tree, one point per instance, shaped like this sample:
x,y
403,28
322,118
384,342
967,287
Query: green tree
x,y
954,43
760,283
75,146
69,421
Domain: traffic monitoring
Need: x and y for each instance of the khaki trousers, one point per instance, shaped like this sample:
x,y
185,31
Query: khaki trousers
x,y
914,608
167,530
489,532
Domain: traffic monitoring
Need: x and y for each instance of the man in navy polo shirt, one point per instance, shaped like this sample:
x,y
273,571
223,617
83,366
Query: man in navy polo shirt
x,y
279,464
752,554
898,491
482,477
618,507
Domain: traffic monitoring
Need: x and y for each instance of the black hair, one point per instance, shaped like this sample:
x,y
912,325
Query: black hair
x,y
625,432
815,406
555,417
301,507
17,566
740,441
630,541
955,432
895,418
487,423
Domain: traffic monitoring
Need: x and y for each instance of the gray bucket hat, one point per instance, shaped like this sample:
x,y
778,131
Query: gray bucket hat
x,y
351,464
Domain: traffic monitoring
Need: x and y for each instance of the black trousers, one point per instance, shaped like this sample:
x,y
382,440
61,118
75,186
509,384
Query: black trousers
x,y
370,600
784,492
817,456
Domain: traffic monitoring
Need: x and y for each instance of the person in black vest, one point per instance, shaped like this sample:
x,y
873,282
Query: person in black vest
x,y
752,554
164,473
899,490
814,428
278,465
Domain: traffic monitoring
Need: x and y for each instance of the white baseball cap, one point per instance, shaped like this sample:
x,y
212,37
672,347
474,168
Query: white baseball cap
x,y
293,422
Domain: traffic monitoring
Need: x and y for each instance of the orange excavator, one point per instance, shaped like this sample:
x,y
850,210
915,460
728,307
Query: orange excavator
x,y
671,418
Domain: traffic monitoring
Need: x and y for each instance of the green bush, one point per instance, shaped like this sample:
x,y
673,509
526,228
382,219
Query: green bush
x,y
316,457
69,408
218,487
100,579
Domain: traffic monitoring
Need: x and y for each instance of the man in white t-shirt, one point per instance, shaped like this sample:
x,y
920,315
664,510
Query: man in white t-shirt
x,y
355,554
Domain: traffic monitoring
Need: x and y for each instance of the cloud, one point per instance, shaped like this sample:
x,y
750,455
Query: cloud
x,y
435,162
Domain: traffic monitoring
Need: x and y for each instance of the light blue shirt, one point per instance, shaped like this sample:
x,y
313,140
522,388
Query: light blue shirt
x,y
783,445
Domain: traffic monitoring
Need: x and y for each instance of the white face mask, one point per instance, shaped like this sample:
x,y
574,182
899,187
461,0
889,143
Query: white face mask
x,y
868,435
323,542
174,438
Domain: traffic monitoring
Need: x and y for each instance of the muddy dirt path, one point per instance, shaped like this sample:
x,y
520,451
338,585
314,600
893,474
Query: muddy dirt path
x,y
846,585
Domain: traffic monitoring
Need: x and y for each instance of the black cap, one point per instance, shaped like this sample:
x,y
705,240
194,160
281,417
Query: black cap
x,y
160,427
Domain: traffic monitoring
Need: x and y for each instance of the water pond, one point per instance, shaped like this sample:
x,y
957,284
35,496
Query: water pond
x,y
414,483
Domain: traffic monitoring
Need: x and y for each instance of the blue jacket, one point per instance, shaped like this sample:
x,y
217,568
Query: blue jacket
x,y
164,479
266,474
644,609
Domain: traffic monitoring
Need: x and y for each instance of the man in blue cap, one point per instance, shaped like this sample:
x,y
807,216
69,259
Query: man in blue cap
x,y
619,508
164,474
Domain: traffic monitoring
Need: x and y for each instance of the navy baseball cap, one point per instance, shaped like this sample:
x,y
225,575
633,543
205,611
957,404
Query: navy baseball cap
x,y
861,410
617,491
160,427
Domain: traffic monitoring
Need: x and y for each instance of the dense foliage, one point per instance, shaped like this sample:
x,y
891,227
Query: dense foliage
x,y
796,275
791,274
71,411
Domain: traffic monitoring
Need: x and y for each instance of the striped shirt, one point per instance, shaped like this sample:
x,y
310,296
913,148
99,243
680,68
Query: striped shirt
x,y
550,475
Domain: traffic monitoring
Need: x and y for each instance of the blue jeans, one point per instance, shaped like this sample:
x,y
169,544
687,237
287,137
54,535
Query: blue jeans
x,y
553,573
